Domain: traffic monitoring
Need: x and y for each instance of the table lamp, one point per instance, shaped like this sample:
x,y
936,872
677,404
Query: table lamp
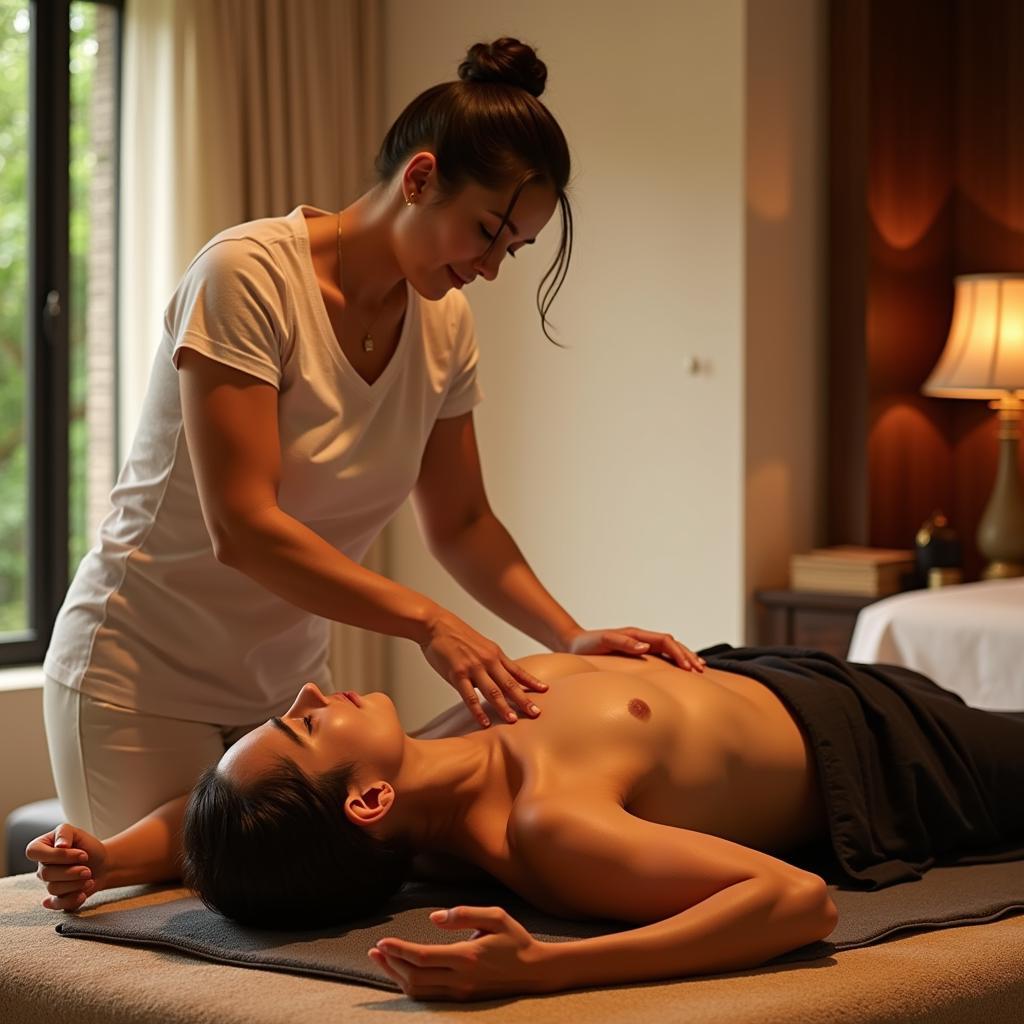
x,y
984,358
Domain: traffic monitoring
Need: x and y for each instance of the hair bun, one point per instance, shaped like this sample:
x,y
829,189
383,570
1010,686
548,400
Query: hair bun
x,y
508,61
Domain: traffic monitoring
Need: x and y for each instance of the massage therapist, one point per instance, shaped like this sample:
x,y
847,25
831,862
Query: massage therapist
x,y
315,369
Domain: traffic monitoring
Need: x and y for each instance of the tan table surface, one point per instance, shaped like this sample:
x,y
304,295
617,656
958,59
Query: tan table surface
x,y
957,975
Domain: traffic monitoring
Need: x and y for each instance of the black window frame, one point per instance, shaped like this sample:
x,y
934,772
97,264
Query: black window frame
x,y
46,323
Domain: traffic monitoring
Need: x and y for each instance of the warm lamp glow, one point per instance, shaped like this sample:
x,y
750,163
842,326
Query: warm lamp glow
x,y
984,353
984,358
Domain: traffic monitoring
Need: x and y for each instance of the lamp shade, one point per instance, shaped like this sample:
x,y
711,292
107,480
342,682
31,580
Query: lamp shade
x,y
984,353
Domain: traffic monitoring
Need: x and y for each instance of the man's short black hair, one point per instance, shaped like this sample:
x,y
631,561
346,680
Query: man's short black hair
x,y
279,852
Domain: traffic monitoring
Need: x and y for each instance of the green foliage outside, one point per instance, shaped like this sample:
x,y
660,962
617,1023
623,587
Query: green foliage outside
x,y
14,312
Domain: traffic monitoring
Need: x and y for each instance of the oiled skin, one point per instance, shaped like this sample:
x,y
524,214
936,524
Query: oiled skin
x,y
714,752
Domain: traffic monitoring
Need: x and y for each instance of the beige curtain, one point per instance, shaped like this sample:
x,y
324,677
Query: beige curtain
x,y
233,110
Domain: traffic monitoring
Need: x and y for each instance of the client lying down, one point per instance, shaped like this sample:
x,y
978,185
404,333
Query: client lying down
x,y
689,806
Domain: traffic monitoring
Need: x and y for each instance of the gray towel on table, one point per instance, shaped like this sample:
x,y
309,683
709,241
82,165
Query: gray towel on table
x,y
944,897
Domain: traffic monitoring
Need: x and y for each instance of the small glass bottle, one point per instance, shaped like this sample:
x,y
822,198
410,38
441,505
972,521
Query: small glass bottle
x,y
936,546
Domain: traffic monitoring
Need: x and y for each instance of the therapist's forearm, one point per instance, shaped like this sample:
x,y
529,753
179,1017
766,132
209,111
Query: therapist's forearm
x,y
485,560
296,563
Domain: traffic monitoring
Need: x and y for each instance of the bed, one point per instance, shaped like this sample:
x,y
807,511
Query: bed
x,y
951,975
968,638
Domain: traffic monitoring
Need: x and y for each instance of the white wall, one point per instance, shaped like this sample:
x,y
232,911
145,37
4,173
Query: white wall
x,y
786,281
620,475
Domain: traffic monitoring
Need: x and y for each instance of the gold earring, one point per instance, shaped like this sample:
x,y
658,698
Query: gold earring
x,y
409,201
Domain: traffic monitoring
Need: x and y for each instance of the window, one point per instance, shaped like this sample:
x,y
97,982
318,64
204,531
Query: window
x,y
59,114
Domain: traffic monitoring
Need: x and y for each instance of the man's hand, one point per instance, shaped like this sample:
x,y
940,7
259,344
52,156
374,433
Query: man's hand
x,y
72,863
500,958
630,640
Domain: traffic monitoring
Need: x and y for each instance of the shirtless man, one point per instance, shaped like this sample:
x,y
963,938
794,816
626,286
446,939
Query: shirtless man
x,y
672,802
641,794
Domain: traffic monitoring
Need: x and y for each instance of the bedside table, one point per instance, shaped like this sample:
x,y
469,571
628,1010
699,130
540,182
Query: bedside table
x,y
805,618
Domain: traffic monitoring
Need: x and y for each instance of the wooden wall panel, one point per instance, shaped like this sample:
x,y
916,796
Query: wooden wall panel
x,y
847,406
910,209
934,92
989,211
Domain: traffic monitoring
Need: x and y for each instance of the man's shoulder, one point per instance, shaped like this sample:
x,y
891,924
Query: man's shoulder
x,y
539,823
553,840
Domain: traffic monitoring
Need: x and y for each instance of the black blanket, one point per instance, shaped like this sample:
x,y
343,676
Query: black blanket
x,y
911,775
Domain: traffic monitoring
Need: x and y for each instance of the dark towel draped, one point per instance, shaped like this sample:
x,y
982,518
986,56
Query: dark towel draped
x,y
911,776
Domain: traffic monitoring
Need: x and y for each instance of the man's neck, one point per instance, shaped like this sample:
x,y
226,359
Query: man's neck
x,y
442,787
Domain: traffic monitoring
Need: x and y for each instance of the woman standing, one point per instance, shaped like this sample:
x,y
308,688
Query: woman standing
x,y
315,369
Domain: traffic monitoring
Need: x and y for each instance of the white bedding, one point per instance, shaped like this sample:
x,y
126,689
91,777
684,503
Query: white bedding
x,y
968,638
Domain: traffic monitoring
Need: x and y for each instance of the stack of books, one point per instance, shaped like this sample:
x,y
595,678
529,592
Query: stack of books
x,y
847,569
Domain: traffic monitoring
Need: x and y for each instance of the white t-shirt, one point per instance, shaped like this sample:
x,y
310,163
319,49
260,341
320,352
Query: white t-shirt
x,y
152,620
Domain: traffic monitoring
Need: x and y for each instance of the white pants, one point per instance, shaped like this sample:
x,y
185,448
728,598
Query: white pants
x,y
113,765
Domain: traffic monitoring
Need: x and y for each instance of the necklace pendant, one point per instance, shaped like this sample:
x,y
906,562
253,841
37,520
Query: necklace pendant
x,y
367,344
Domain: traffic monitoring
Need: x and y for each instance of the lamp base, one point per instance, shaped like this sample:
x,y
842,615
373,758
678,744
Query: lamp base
x,y
1002,570
1001,530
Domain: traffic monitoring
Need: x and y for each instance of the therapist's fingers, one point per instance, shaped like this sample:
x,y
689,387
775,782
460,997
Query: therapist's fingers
x,y
526,679
667,645
684,657
464,686
492,691
512,688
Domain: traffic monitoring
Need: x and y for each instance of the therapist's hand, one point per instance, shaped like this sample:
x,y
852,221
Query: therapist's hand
x,y
72,863
630,640
470,662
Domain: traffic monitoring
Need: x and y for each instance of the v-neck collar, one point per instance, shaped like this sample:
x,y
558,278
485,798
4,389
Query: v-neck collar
x,y
379,386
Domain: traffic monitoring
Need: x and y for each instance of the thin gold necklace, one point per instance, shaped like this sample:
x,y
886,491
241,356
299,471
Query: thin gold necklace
x,y
368,344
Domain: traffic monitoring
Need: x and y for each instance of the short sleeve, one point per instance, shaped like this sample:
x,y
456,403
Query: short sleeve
x,y
464,390
231,305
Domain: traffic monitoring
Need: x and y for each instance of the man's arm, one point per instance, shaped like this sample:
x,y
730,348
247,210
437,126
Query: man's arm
x,y
75,864
705,904
148,851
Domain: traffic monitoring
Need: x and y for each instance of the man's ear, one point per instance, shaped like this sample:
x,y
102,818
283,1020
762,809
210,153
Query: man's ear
x,y
370,803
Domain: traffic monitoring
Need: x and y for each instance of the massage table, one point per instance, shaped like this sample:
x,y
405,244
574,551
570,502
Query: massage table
x,y
968,638
965,973
954,975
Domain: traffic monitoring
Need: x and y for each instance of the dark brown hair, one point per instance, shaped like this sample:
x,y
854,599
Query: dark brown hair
x,y
280,852
490,128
